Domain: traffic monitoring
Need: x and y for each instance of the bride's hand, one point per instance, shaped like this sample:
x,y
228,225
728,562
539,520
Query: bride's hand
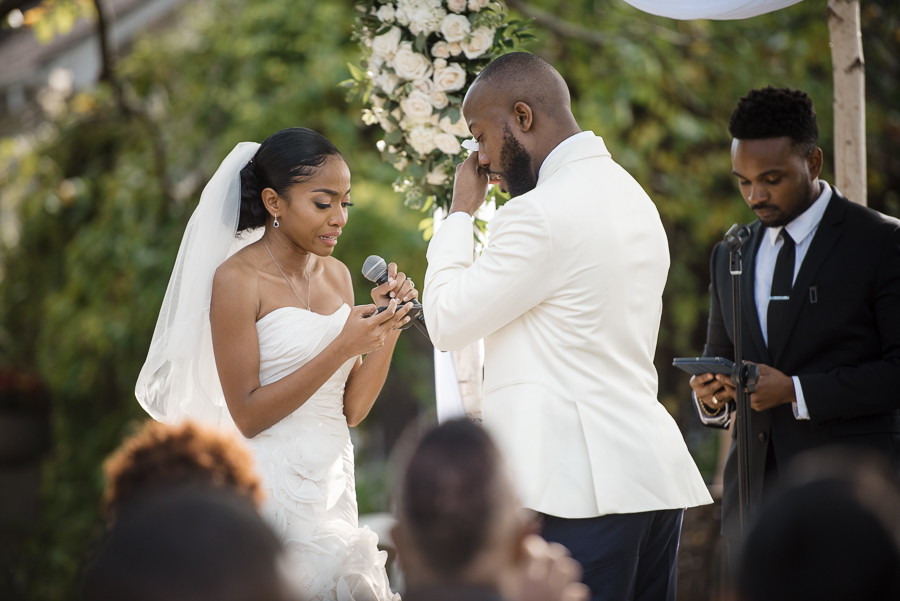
x,y
366,331
397,287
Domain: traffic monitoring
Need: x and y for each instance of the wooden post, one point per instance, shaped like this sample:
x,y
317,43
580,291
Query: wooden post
x,y
849,99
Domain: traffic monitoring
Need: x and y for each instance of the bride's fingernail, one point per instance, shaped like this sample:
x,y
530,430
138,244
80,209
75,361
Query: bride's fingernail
x,y
392,295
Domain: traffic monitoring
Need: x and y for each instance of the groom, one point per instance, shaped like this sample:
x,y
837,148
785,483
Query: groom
x,y
567,296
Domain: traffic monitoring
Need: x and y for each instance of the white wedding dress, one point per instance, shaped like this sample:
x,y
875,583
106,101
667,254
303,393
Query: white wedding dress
x,y
306,464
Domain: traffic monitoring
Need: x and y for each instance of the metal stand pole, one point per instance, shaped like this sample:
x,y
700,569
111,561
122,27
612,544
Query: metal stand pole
x,y
744,376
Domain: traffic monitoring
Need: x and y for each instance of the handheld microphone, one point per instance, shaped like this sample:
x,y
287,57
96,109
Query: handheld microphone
x,y
375,270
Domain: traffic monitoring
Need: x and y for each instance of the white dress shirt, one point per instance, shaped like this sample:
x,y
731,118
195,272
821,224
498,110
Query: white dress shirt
x,y
802,229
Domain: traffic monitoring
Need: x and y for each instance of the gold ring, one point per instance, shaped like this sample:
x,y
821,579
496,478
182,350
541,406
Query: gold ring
x,y
715,400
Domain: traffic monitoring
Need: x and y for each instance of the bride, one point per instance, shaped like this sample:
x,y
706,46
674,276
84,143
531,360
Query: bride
x,y
258,332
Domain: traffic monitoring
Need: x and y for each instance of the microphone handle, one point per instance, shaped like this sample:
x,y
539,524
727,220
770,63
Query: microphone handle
x,y
419,321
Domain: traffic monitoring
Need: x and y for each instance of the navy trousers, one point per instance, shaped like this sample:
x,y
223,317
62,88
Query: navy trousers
x,y
626,557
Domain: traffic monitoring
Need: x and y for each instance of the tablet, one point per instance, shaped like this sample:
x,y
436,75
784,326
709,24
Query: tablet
x,y
704,365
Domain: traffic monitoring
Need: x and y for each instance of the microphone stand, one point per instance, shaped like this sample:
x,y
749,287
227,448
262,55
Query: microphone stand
x,y
744,376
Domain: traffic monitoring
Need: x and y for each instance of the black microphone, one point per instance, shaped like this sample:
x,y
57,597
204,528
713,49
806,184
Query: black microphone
x,y
736,236
375,270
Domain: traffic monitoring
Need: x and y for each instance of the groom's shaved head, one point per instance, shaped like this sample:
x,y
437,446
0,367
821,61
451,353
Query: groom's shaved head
x,y
522,77
519,110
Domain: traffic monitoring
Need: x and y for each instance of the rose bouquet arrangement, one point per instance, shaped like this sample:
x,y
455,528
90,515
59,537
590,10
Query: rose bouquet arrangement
x,y
418,58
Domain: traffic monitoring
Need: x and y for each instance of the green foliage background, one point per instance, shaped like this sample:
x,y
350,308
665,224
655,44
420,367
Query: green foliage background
x,y
101,216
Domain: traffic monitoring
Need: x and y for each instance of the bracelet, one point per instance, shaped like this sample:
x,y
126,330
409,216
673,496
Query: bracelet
x,y
707,410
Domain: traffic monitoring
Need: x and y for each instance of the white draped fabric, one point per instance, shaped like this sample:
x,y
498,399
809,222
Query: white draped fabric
x,y
448,395
721,10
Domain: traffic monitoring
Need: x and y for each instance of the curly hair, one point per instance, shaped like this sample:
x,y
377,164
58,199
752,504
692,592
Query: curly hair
x,y
162,455
775,113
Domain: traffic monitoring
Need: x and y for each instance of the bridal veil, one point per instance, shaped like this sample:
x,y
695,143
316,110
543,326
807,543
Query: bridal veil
x,y
179,378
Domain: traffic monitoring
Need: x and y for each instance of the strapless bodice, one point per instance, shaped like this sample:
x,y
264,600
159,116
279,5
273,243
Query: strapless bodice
x,y
289,338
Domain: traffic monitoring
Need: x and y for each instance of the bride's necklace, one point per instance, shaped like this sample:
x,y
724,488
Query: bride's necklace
x,y
288,281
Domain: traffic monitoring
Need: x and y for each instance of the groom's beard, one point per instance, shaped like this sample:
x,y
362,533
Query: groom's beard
x,y
515,163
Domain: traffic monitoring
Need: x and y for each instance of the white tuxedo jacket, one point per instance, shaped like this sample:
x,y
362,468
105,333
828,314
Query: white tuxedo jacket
x,y
567,296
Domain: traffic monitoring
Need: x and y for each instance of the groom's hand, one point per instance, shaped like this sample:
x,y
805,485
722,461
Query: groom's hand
x,y
470,187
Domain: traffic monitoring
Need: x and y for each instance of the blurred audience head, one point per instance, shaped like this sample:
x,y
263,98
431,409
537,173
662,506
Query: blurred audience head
x,y
833,535
459,517
162,456
193,543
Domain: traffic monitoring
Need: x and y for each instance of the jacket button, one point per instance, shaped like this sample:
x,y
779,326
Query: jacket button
x,y
762,437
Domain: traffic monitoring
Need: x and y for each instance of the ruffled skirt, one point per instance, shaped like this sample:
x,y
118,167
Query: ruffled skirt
x,y
307,470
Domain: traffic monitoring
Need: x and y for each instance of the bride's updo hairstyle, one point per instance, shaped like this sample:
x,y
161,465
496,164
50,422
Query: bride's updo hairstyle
x,y
287,157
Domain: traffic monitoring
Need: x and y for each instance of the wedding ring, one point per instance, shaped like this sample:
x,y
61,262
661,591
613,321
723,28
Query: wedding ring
x,y
411,283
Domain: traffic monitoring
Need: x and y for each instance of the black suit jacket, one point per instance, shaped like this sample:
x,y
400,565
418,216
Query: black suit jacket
x,y
843,342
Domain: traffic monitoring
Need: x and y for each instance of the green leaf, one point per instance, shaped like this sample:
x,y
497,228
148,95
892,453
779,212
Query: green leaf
x,y
356,72
416,170
393,137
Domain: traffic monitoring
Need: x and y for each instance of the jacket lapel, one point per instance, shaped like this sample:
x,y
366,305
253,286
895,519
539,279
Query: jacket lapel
x,y
748,297
823,241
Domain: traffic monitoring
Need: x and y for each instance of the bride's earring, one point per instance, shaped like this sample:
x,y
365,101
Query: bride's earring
x,y
276,221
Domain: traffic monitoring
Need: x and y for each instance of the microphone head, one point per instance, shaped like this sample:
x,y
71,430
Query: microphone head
x,y
374,269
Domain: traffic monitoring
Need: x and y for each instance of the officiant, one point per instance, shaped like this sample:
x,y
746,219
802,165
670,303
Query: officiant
x,y
821,305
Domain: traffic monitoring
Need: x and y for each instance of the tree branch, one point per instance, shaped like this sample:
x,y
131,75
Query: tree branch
x,y
106,58
108,75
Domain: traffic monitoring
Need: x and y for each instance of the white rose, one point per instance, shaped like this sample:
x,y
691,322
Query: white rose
x,y
479,43
476,5
386,13
417,106
425,16
436,176
441,50
439,100
426,86
455,28
386,81
386,44
456,6
458,129
401,17
447,143
421,138
409,64
450,78
439,63
455,49
387,125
